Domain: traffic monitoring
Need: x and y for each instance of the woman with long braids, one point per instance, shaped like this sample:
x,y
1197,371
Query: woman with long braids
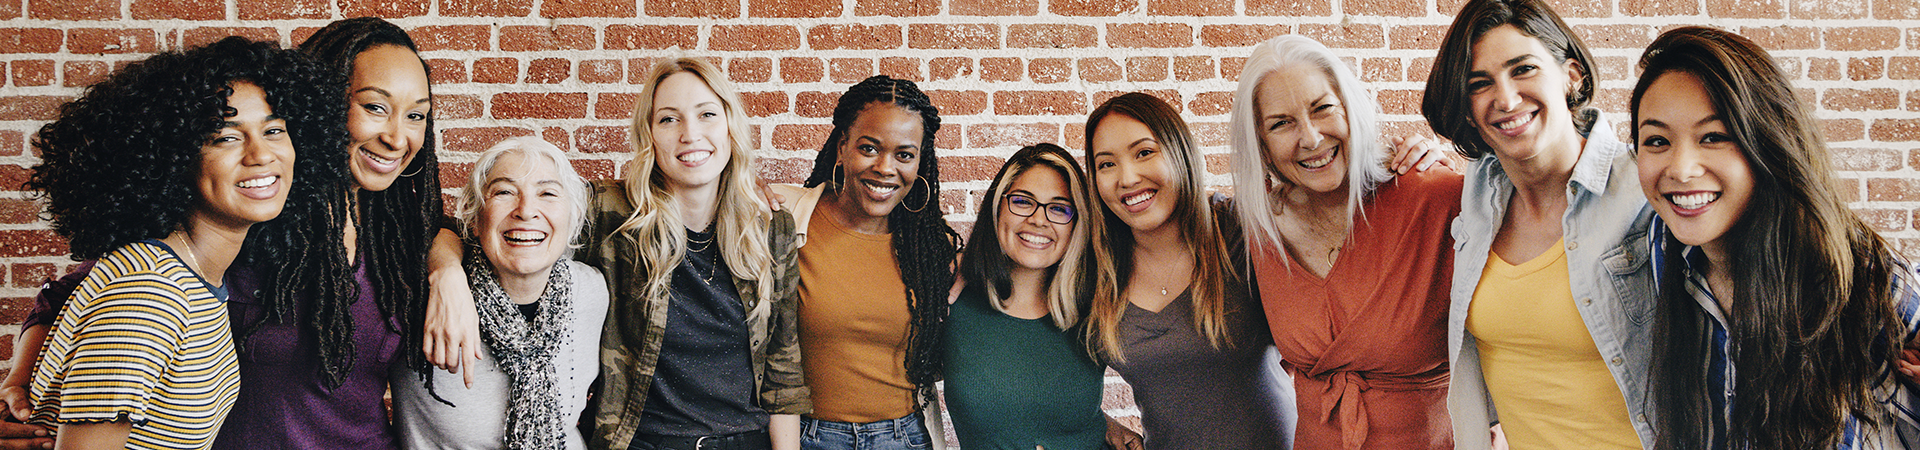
x,y
337,298
875,267
1781,313
1188,334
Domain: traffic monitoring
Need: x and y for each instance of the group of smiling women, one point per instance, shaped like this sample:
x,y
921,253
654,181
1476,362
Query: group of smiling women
x,y
265,266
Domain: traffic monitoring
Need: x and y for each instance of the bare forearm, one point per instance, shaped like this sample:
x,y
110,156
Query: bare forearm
x,y
785,430
93,436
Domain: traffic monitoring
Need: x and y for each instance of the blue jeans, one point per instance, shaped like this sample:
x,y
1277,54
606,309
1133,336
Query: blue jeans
x,y
905,433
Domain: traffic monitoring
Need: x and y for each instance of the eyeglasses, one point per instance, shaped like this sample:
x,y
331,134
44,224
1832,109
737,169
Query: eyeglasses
x,y
1024,206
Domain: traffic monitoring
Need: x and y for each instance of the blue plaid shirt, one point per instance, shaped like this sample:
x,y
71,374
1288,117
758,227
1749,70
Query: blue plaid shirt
x,y
1900,427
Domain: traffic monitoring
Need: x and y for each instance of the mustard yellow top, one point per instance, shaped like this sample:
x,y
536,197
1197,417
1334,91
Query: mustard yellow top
x,y
1548,384
853,325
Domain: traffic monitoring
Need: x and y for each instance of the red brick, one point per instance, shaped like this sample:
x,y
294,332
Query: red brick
x,y
1149,35
603,139
206,35
1913,100
1617,36
763,104
1239,35
959,103
947,137
34,72
10,9
452,37
446,71
1861,69
1091,7
594,8
1100,70
953,36
31,107
1842,130
1893,189
95,41
1050,70
614,105
528,38
949,67
1348,36
21,211
750,70
802,70
1783,37
537,105
901,68
849,70
83,73
1896,9
993,7
1395,101
1000,69
179,9
1052,36
1399,8
815,104
1866,159
800,137
1289,7
1192,68
1913,160
1007,135
1147,68
1903,68
12,142
386,8
1039,103
788,170
31,275
1211,103
74,9
595,169
1892,130
26,243
853,37
496,70
548,70
1190,7
1747,9
651,37
29,40
896,8
476,140
1829,9
1580,8
558,137
1659,7
792,9
284,9
1884,220
1862,38
1419,69
601,71
753,38
971,168
1823,68
1210,134
457,106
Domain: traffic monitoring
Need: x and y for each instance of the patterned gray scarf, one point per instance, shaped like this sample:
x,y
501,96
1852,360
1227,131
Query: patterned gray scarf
x,y
525,350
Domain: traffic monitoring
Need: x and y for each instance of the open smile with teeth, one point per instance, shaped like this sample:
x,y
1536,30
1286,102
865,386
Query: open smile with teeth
x,y
1035,240
1321,161
1516,122
696,156
377,159
880,189
1138,198
1695,200
258,182
524,237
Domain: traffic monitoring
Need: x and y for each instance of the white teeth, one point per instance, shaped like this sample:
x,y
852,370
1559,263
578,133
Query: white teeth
x,y
879,189
1035,239
1136,199
521,236
377,158
1693,201
258,182
1318,162
695,157
1515,123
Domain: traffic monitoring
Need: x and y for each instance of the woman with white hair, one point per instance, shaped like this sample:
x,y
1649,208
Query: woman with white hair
x,y
1352,261
540,312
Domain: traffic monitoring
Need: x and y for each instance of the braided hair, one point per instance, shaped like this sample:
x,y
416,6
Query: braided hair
x,y
923,245
312,283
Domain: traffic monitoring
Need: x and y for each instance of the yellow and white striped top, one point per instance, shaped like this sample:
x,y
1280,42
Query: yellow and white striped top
x,y
143,340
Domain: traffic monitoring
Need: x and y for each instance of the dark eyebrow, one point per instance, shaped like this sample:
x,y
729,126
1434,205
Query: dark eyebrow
x,y
384,93
876,142
270,118
1508,63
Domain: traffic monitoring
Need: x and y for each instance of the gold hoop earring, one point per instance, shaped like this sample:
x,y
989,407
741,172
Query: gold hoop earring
x,y
838,178
416,171
924,201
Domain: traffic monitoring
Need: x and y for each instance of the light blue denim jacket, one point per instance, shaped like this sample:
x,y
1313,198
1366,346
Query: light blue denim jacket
x,y
1606,243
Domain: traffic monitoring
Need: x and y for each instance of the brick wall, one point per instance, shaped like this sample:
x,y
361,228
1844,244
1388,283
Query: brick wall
x,y
1005,73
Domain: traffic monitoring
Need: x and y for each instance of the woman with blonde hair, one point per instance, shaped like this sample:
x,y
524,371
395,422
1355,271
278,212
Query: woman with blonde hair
x,y
700,346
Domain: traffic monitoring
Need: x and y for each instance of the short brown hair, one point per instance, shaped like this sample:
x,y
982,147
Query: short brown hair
x,y
1445,105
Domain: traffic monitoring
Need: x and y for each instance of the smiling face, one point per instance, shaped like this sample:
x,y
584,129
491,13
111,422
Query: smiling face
x,y
1131,172
1035,242
690,141
247,166
387,114
1691,170
1303,127
1518,91
880,157
523,212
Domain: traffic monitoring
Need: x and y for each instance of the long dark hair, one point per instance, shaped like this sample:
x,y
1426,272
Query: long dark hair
x,y
986,265
923,244
395,228
1446,106
1812,328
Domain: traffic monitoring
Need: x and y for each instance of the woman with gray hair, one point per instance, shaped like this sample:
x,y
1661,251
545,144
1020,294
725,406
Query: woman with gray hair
x,y
540,312
1352,261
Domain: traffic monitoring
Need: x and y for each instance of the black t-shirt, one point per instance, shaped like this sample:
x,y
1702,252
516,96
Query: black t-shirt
x,y
703,382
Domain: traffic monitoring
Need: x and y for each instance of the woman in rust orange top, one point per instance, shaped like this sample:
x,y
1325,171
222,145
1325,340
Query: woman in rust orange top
x,y
1352,262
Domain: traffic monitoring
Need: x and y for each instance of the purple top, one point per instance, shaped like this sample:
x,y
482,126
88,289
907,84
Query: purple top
x,y
283,402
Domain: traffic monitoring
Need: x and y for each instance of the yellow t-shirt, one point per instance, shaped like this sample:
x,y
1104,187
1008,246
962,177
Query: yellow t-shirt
x,y
853,324
1541,367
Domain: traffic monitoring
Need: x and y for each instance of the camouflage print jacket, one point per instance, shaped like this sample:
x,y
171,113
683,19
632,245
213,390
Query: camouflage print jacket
x,y
630,344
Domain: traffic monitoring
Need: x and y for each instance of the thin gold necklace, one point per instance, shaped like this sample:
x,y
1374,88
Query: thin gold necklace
x,y
194,260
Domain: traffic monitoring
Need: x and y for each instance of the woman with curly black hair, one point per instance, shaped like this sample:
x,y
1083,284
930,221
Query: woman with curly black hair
x,y
161,173
319,323
874,271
